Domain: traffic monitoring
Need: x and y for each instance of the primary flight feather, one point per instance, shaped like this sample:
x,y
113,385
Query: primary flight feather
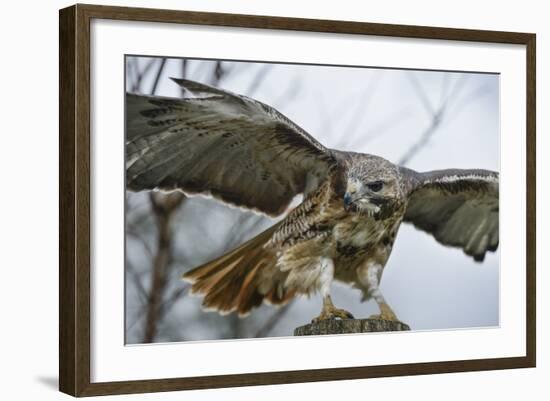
x,y
247,154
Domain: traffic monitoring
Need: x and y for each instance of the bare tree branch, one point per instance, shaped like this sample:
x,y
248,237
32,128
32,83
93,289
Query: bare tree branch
x,y
138,236
274,319
421,93
467,100
289,94
137,281
171,301
422,141
258,79
436,118
183,73
381,128
218,73
325,119
142,293
361,111
157,77
139,75
163,207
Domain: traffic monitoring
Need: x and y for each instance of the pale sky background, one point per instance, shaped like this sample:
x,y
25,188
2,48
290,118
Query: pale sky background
x,y
377,111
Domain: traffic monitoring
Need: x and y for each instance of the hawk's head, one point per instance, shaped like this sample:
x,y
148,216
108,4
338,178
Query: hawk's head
x,y
373,186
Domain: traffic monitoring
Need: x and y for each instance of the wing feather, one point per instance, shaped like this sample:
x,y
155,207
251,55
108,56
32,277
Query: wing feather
x,y
459,208
217,143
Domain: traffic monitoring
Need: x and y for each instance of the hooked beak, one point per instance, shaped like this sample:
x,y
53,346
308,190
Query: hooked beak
x,y
348,200
371,205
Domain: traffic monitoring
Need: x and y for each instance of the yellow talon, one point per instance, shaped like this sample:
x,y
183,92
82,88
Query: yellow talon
x,y
329,311
386,313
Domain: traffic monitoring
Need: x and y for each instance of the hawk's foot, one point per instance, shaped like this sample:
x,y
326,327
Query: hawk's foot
x,y
386,313
329,311
333,314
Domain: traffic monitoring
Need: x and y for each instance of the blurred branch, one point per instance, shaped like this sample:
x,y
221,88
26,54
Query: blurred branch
x,y
324,116
137,235
468,99
274,319
171,301
258,79
140,74
237,234
130,73
290,93
423,140
137,281
237,68
164,205
444,88
235,325
381,128
139,217
142,293
157,77
421,93
218,74
183,73
436,115
360,112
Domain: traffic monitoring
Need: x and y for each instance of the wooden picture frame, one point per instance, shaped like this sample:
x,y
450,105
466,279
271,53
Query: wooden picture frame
x,y
75,207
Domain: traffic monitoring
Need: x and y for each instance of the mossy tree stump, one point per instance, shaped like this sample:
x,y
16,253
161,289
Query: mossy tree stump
x,y
346,326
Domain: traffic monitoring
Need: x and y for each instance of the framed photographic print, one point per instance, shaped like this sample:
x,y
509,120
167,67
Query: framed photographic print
x,y
313,200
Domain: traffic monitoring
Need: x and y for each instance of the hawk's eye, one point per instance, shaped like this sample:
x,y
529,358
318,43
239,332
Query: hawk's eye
x,y
375,186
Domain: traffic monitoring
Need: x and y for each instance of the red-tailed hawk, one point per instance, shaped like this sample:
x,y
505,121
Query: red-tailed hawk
x,y
247,154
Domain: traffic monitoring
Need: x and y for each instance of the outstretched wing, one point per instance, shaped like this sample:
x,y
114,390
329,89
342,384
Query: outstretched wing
x,y
458,207
217,143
